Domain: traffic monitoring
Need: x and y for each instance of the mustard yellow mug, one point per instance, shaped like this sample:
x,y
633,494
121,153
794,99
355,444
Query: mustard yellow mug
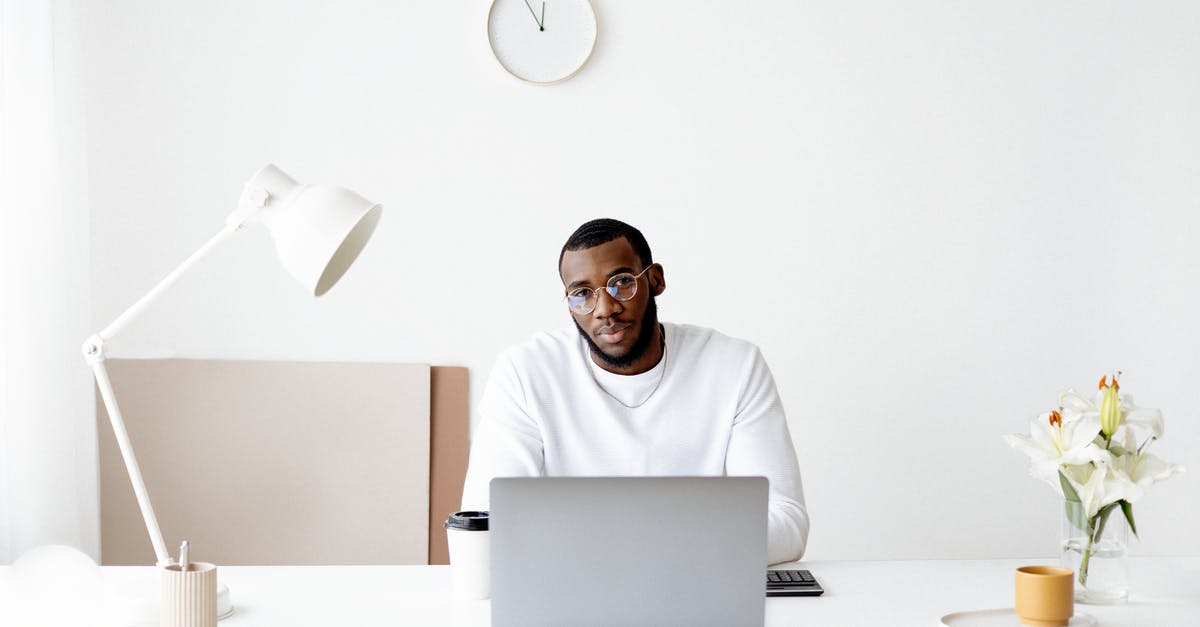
x,y
1045,595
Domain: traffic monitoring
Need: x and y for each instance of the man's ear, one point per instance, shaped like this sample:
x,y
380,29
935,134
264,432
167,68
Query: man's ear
x,y
657,280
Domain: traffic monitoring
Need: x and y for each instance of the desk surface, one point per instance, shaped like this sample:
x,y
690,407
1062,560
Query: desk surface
x,y
1165,592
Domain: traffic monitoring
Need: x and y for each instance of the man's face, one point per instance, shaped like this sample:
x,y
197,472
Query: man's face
x,y
619,333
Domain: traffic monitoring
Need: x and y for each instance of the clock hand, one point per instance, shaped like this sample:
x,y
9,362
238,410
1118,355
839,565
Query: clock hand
x,y
535,17
543,23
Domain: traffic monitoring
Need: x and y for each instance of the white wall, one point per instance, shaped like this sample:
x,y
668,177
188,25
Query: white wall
x,y
931,216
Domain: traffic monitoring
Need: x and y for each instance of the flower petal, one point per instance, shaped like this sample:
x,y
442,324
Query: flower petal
x,y
1045,470
1082,432
1093,493
1146,420
1150,470
1084,455
1118,486
1074,402
1029,447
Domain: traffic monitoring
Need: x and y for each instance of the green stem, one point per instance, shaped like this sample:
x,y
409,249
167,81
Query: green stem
x,y
1095,529
1087,556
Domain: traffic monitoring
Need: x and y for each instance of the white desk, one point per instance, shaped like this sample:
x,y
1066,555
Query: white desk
x,y
1165,593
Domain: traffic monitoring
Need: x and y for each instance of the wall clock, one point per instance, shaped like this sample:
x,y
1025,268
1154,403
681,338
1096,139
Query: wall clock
x,y
542,41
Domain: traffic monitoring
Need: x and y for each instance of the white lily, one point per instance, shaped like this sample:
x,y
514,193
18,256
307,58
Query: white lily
x,y
1090,447
1096,486
1136,470
1120,410
1055,441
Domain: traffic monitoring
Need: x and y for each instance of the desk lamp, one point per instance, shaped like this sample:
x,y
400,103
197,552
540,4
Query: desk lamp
x,y
318,230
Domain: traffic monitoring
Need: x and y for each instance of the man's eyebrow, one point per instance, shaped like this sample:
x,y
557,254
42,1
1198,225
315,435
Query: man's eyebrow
x,y
611,274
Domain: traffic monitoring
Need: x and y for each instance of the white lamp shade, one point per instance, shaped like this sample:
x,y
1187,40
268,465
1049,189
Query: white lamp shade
x,y
319,230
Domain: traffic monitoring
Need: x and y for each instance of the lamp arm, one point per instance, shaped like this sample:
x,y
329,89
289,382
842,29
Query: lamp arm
x,y
144,302
95,352
131,464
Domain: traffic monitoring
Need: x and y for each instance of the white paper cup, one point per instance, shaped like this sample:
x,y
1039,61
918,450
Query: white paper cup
x,y
470,554
189,598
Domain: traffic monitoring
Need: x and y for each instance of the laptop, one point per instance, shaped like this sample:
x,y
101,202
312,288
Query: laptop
x,y
628,551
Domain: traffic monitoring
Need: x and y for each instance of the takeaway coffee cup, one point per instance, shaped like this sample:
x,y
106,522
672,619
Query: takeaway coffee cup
x,y
467,535
1045,595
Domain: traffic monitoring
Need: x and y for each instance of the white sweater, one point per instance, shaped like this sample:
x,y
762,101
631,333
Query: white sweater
x,y
715,412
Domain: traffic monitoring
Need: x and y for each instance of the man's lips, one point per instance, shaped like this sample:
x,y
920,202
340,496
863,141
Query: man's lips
x,y
613,334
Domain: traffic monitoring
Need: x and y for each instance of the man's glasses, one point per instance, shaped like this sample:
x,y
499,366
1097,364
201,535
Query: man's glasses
x,y
622,287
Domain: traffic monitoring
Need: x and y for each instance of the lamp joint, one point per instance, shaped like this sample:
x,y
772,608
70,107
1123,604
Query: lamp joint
x,y
95,350
253,199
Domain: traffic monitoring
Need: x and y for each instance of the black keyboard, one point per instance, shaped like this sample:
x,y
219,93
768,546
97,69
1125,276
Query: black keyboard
x,y
792,583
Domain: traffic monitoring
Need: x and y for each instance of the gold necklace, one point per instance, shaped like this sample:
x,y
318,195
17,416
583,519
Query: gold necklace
x,y
661,375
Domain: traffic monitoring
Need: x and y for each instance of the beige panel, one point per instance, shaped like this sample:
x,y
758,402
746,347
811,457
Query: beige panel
x,y
271,462
450,421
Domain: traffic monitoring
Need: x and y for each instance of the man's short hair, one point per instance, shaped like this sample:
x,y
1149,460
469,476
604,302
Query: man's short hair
x,y
602,231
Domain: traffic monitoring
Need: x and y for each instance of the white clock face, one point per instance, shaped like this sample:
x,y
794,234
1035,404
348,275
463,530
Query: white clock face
x,y
542,41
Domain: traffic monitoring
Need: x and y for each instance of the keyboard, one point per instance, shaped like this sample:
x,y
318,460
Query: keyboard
x,y
792,583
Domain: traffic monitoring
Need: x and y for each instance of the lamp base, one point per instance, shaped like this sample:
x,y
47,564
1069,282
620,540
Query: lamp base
x,y
129,604
224,605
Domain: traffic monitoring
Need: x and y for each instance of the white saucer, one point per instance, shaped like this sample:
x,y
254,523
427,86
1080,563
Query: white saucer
x,y
1003,618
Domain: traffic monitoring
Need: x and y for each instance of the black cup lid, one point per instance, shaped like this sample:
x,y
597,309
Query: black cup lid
x,y
470,521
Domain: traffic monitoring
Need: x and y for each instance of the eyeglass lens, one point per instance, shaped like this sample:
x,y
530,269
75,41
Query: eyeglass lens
x,y
621,287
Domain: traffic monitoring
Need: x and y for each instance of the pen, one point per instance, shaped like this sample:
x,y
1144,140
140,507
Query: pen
x,y
183,556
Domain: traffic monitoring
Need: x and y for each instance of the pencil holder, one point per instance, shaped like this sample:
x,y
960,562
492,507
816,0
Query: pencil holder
x,y
189,598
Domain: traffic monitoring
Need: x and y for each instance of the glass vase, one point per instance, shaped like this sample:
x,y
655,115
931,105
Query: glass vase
x,y
1099,555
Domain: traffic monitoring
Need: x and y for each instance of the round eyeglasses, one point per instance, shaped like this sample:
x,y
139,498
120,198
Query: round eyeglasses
x,y
622,287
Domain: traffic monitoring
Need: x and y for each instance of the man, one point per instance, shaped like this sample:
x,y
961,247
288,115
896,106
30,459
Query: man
x,y
623,394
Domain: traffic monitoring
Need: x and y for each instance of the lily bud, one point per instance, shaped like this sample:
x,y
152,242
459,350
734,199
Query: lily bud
x,y
1110,407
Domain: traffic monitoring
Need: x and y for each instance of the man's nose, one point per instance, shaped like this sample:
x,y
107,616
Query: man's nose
x,y
606,305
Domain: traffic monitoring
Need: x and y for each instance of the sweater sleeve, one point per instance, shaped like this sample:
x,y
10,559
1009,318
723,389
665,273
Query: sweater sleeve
x,y
507,441
761,445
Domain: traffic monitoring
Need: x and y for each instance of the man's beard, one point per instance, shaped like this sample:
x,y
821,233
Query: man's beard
x,y
640,346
